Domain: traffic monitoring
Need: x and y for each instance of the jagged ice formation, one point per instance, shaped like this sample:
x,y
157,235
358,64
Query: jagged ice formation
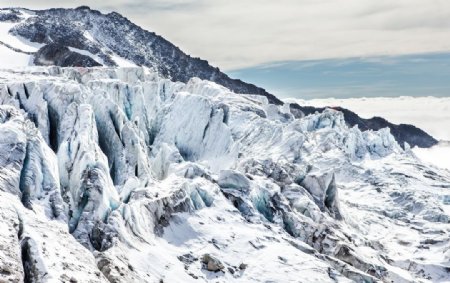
x,y
120,175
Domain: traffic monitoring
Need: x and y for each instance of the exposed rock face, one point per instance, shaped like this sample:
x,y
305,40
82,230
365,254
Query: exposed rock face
x,y
58,55
10,16
110,174
212,263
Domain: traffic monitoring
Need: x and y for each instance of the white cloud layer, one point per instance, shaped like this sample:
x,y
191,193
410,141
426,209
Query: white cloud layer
x,y
236,34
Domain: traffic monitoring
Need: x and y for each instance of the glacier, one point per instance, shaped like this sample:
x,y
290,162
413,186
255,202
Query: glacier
x,y
427,112
121,175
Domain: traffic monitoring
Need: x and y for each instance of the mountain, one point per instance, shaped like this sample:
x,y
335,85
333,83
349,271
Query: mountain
x,y
120,174
85,37
111,37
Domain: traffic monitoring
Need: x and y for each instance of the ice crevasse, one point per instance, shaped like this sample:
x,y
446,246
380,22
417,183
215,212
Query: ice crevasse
x,y
139,174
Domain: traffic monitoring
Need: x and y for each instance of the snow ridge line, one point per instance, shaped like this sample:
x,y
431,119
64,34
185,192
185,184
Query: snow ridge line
x,y
16,49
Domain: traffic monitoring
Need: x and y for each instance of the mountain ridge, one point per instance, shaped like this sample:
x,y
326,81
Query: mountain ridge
x,y
64,33
167,67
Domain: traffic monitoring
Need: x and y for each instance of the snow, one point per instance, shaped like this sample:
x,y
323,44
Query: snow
x,y
119,175
234,180
87,53
438,155
431,114
32,206
88,36
16,41
11,58
134,178
83,166
53,253
122,62
271,255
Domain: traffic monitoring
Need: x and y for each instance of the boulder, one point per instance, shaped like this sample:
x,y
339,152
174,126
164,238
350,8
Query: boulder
x,y
211,263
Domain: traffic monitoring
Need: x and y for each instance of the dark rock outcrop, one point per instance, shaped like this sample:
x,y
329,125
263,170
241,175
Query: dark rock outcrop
x,y
211,263
59,55
12,16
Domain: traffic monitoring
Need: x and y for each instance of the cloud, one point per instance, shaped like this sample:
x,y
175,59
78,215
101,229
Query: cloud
x,y
143,7
236,34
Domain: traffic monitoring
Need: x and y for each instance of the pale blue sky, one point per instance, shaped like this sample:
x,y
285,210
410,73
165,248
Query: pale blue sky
x,y
407,75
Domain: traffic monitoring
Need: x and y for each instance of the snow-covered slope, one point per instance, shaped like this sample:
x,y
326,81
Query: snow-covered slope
x,y
15,51
119,175
108,40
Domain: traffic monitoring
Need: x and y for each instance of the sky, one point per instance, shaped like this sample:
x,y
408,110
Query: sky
x,y
426,74
245,35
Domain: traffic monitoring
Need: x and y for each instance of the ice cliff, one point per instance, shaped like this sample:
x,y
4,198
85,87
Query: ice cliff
x,y
121,175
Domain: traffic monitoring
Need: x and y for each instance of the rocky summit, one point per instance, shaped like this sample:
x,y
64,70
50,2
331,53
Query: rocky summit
x,y
119,173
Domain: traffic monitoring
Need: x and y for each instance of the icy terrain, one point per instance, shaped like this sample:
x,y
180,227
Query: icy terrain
x,y
83,37
431,114
119,175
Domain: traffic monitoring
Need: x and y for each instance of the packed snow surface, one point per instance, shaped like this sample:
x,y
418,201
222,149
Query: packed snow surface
x,y
438,155
12,59
119,175
14,49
